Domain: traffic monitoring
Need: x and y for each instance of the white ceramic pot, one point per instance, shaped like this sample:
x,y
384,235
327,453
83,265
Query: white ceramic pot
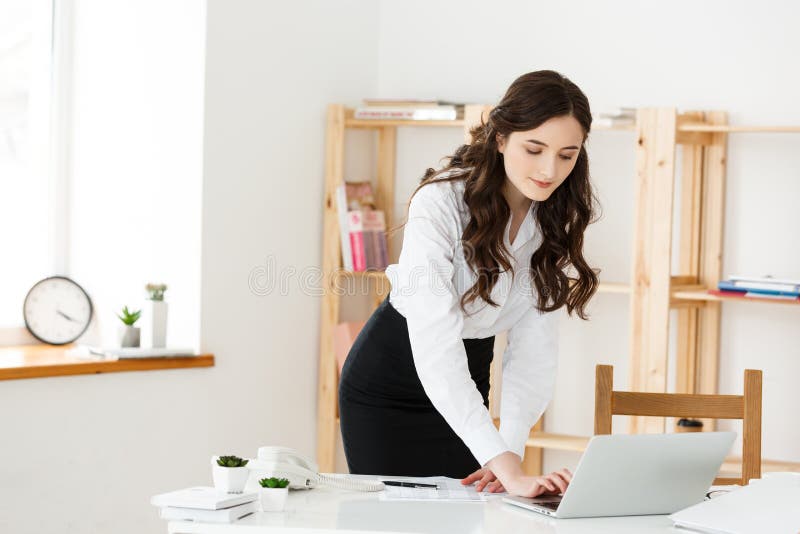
x,y
129,336
273,499
230,479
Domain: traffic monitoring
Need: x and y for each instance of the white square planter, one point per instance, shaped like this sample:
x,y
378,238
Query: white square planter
x,y
273,499
230,479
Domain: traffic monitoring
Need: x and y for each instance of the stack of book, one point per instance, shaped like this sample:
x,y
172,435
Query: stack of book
x,y
754,287
615,118
205,504
362,227
404,109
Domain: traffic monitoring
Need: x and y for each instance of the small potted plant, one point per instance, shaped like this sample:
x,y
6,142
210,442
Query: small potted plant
x,y
230,474
129,334
156,329
273,494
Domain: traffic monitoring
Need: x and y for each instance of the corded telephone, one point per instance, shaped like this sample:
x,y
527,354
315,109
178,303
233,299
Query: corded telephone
x,y
283,462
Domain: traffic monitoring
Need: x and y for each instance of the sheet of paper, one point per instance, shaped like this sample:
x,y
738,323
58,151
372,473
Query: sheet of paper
x,y
450,489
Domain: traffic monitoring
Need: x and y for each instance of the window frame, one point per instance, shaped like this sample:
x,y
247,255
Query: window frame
x,y
61,16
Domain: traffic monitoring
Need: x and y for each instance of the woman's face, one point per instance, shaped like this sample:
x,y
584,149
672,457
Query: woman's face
x,y
537,161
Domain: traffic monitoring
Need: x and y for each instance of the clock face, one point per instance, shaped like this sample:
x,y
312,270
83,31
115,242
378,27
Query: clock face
x,y
57,310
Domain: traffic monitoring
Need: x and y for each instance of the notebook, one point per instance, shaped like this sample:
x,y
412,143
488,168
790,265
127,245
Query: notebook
x,y
203,498
771,504
226,515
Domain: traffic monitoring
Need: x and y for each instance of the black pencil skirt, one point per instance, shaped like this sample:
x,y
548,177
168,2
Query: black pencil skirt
x,y
389,425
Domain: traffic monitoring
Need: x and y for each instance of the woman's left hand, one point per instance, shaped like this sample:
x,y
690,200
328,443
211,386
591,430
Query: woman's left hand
x,y
485,479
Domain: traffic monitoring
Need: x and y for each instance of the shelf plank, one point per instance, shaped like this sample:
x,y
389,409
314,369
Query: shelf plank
x,y
733,464
704,296
562,442
38,361
727,128
614,287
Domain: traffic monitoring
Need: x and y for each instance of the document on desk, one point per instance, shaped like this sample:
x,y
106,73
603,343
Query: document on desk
x,y
448,489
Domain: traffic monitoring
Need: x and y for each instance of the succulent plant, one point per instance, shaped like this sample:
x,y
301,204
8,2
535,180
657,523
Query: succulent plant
x,y
273,482
231,461
156,291
129,317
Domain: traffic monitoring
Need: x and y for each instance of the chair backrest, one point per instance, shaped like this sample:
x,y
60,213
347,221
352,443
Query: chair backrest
x,y
747,407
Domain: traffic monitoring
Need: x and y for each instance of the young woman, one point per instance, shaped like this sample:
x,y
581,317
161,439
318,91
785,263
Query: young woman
x,y
493,242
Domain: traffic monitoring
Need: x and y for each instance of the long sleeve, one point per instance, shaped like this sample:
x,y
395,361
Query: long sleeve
x,y
529,373
424,277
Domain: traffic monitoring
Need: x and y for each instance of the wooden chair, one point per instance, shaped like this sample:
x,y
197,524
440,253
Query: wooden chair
x,y
747,407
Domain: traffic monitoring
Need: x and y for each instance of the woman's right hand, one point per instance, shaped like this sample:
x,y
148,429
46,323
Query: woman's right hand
x,y
529,486
508,469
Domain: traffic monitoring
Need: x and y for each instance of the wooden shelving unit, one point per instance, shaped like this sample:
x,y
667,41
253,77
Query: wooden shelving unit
x,y
339,120
653,290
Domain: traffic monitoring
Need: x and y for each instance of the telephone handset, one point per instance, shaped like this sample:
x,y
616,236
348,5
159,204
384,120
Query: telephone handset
x,y
283,462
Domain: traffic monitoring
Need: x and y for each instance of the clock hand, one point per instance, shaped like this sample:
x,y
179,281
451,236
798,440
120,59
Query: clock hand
x,y
65,316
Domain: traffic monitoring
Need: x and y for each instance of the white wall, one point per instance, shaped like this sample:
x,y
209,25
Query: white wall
x,y
270,74
90,450
693,55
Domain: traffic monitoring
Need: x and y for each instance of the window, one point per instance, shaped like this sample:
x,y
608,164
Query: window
x,y
31,188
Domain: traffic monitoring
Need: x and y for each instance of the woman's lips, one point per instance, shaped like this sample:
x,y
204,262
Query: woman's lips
x,y
543,185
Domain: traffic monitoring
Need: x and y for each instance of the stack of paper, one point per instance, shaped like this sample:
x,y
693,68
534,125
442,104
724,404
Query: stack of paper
x,y
449,489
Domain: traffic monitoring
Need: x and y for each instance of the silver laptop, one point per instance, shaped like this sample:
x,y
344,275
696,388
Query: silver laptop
x,y
641,474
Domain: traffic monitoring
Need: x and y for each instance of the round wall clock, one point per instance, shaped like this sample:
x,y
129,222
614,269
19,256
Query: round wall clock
x,y
57,310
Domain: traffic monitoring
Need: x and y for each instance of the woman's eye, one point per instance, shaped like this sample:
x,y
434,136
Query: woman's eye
x,y
532,153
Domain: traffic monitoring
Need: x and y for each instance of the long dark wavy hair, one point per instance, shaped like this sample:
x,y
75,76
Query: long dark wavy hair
x,y
559,272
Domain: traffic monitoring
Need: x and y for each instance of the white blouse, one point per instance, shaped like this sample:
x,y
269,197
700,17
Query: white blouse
x,y
427,284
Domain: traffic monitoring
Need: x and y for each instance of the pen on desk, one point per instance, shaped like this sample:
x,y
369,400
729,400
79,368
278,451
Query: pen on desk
x,y
409,484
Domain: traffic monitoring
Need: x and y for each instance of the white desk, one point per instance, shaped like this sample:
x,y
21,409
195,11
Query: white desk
x,y
328,510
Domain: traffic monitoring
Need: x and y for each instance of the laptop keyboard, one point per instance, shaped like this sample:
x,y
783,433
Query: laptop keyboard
x,y
550,505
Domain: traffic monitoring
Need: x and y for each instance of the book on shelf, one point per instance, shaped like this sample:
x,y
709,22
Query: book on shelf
x,y
344,228
359,196
224,515
751,294
202,498
410,102
362,228
355,229
411,113
761,286
784,284
375,240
